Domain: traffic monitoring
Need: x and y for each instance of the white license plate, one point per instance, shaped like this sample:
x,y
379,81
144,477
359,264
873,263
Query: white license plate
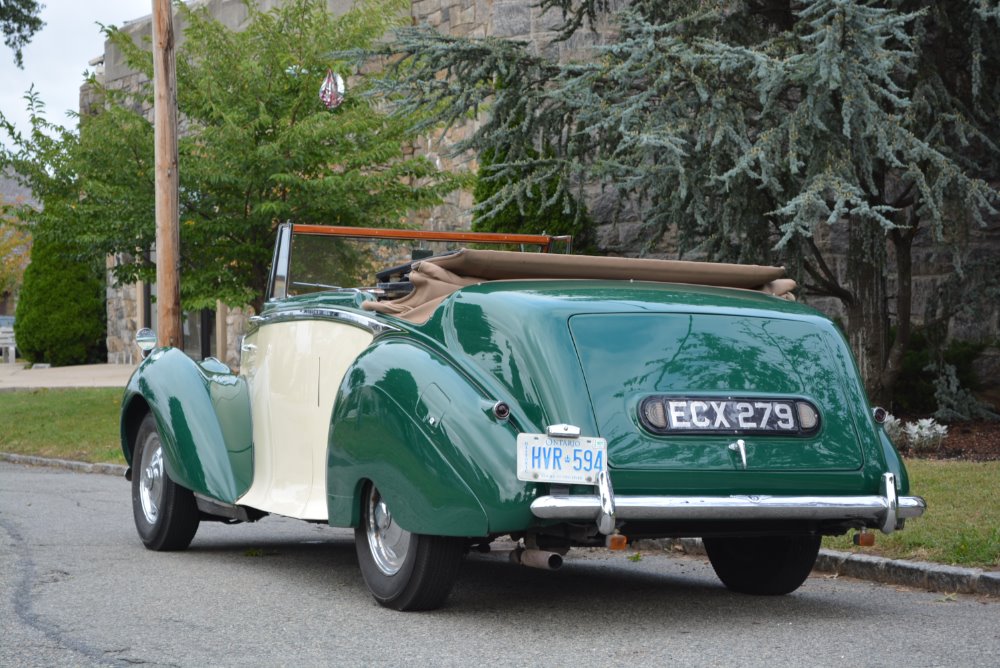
x,y
542,458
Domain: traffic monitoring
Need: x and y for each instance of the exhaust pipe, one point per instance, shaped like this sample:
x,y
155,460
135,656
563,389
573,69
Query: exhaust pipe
x,y
548,561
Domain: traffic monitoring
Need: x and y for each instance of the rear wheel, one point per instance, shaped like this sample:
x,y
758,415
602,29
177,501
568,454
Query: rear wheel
x,y
403,570
768,566
166,514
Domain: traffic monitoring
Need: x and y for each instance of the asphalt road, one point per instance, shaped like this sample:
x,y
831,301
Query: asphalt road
x,y
78,588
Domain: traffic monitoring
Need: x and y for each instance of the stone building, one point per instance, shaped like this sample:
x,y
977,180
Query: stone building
x,y
218,333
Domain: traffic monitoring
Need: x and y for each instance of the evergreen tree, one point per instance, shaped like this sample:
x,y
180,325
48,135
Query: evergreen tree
x,y
61,313
746,127
528,216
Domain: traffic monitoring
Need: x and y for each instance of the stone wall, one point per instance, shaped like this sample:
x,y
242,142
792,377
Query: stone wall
x,y
933,264
124,319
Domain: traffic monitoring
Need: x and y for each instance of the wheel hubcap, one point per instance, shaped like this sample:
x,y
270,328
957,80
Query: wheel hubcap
x,y
386,540
151,480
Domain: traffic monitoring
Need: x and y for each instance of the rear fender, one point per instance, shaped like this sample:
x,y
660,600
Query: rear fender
x,y
894,463
410,422
202,412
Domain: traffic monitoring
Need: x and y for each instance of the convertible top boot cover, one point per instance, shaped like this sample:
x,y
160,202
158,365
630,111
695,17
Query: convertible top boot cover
x,y
505,265
435,278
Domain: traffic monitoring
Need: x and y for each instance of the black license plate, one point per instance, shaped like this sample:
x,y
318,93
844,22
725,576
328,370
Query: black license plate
x,y
727,415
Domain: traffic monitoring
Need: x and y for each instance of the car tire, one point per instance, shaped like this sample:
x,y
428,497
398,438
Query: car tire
x,y
403,570
765,566
166,514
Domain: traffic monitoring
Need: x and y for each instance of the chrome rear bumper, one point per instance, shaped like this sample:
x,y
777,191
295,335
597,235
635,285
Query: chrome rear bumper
x,y
885,511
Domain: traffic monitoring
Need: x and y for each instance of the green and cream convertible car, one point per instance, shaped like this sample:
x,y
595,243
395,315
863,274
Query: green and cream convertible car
x,y
560,400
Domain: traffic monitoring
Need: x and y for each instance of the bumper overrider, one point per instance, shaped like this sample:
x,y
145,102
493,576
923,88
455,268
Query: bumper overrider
x,y
886,511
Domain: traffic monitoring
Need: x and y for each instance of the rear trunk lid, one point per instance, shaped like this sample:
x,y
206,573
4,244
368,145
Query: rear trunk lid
x,y
699,391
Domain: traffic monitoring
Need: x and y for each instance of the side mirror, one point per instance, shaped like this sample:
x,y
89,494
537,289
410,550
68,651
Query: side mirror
x,y
145,338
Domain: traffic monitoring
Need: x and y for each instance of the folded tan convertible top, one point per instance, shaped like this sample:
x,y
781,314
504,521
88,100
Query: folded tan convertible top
x,y
503,265
435,278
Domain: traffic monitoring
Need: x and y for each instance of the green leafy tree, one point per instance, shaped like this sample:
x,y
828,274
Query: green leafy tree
x,y
15,245
750,127
19,21
257,148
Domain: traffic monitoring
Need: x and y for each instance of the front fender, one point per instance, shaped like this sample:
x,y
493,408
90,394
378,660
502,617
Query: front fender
x,y
410,422
202,412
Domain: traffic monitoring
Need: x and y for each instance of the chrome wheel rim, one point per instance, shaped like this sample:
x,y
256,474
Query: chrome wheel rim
x,y
387,542
151,479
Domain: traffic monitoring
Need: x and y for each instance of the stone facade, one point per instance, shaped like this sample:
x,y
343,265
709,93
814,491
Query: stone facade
x,y
519,20
932,266
125,303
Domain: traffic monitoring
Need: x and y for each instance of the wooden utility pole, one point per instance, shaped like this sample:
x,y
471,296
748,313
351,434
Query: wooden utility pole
x,y
168,296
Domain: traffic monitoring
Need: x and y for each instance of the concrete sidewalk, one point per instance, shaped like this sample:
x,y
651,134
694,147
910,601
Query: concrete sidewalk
x,y
16,377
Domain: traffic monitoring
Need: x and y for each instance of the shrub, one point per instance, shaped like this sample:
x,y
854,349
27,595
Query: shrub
x,y
61,315
893,427
920,436
915,390
925,434
955,402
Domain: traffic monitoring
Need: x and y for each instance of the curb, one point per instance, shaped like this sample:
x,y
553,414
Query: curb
x,y
916,574
79,467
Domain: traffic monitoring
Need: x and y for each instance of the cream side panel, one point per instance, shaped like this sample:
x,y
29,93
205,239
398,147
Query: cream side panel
x,y
293,380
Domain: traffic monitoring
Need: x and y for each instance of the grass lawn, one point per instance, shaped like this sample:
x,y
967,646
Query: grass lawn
x,y
962,522
77,424
961,526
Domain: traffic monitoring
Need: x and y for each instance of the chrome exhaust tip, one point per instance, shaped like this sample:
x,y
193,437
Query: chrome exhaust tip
x,y
548,561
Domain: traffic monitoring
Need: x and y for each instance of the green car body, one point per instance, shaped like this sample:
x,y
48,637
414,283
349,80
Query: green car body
x,y
415,414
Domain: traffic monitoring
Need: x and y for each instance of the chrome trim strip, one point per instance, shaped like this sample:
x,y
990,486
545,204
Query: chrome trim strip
x,y
365,322
873,510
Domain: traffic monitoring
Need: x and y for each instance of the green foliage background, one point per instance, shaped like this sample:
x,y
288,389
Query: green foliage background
x,y
257,149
